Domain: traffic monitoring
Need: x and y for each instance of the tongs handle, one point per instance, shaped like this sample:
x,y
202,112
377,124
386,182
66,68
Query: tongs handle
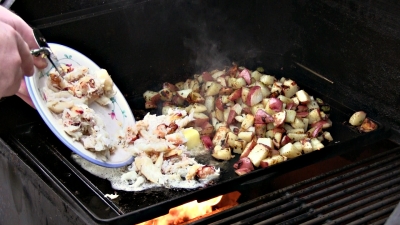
x,y
42,51
45,52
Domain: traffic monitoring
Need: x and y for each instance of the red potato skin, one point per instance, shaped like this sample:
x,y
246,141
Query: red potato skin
x,y
207,76
252,93
246,110
301,114
302,108
262,117
231,117
207,129
170,87
150,105
246,76
285,140
318,128
263,164
218,103
155,98
226,91
319,123
275,104
232,71
279,130
279,120
235,95
247,151
199,122
243,166
206,140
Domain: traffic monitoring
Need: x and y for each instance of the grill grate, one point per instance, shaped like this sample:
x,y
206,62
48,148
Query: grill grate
x,y
365,192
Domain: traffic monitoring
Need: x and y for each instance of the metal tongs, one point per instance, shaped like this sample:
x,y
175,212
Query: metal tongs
x,y
44,51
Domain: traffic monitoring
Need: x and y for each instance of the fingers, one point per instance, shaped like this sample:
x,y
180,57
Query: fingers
x,y
26,57
40,62
25,31
19,25
24,94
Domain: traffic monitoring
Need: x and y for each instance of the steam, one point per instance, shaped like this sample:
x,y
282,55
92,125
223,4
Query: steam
x,y
216,41
208,53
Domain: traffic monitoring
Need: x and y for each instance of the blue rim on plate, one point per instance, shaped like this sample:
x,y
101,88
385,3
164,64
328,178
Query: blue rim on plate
x,y
116,115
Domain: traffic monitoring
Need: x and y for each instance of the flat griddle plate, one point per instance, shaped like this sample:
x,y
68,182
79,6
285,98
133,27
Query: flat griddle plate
x,y
41,147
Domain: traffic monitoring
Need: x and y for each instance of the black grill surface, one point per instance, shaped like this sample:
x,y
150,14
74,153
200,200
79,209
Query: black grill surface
x,y
363,192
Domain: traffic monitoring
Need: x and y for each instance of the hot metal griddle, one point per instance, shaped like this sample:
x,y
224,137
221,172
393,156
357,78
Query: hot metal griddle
x,y
45,152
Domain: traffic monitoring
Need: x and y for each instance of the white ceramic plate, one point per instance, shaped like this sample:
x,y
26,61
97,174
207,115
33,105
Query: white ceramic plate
x,y
116,116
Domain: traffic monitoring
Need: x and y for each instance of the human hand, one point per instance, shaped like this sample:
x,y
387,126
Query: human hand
x,y
16,40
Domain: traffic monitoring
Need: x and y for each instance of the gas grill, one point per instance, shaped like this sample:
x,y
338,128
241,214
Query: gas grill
x,y
330,49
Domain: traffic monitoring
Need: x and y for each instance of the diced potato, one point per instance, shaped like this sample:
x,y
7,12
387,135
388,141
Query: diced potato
x,y
314,116
316,144
357,118
212,88
276,87
290,116
306,145
303,96
247,122
266,141
231,138
199,108
289,151
290,88
312,105
258,153
246,135
296,137
296,131
239,146
222,153
220,134
272,160
256,75
298,145
267,79
298,123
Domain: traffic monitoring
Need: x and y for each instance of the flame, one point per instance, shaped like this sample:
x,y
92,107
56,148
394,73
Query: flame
x,y
185,212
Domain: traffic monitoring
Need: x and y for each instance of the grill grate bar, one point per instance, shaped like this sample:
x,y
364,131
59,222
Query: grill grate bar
x,y
282,204
303,207
371,216
349,207
371,171
379,222
311,212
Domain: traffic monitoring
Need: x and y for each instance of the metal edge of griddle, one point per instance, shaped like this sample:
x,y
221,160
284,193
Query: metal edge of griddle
x,y
50,176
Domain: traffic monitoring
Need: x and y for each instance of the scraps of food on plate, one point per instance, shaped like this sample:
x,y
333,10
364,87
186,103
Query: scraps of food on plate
x,y
69,97
238,111
165,149
359,119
